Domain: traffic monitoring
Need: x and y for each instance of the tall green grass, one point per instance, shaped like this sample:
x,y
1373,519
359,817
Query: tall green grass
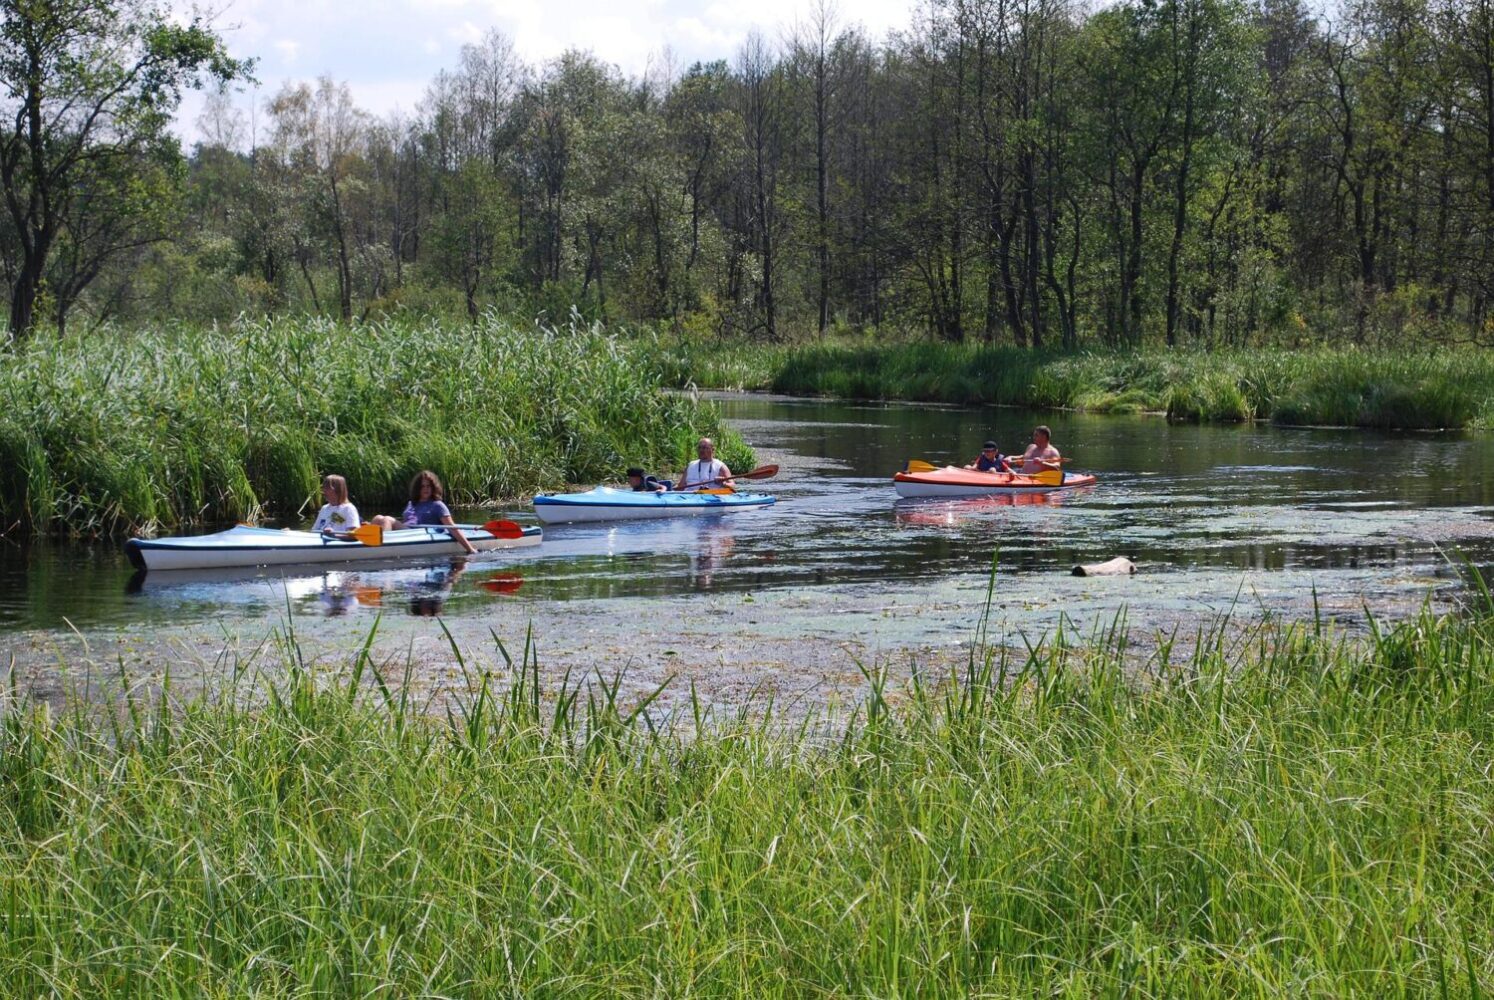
x,y
1278,812
119,430
1338,386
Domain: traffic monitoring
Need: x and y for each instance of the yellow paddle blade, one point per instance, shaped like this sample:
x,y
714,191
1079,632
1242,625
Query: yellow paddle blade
x,y
914,465
1049,477
368,534
718,491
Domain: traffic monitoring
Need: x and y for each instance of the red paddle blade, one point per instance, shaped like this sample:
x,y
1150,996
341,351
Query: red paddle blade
x,y
504,529
507,583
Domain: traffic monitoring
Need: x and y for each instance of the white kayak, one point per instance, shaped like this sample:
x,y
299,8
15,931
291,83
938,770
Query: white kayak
x,y
607,504
247,546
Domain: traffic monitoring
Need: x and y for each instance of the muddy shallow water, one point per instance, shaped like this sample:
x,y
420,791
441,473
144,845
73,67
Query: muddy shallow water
x,y
789,600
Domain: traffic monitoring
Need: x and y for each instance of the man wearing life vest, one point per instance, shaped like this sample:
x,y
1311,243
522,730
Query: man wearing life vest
x,y
707,471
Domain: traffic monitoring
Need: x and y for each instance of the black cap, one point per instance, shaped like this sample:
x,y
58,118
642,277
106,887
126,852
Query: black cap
x,y
635,471
989,444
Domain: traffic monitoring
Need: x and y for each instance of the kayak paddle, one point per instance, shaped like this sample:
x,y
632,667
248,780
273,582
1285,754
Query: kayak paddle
x,y
761,472
915,465
368,534
504,529
1043,477
372,534
504,583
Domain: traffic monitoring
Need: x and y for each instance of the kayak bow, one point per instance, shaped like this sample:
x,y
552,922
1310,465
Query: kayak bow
x,y
952,481
607,504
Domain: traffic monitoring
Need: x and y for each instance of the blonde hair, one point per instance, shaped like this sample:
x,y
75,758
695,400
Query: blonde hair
x,y
339,488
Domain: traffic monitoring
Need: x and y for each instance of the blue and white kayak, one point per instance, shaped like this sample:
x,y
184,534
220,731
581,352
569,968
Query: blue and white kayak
x,y
248,546
607,504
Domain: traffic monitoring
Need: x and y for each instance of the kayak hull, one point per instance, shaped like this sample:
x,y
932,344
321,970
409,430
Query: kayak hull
x,y
249,546
951,481
607,504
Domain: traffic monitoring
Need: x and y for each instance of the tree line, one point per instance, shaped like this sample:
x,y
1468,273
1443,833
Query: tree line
x,y
1028,172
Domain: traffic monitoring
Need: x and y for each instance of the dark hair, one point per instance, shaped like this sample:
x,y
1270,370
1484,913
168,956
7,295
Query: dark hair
x,y
991,445
424,475
635,471
1043,430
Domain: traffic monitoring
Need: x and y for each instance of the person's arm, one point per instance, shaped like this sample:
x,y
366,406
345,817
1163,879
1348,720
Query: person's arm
x,y
726,479
456,533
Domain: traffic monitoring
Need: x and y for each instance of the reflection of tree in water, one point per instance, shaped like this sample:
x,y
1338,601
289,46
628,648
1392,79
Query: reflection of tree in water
x,y
710,554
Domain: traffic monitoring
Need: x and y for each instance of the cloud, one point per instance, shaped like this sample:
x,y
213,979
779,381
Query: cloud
x,y
389,50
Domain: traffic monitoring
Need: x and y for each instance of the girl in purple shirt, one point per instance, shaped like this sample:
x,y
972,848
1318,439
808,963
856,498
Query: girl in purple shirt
x,y
426,506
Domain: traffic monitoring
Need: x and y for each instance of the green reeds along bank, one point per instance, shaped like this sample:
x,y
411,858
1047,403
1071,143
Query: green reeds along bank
x,y
1276,814
1451,388
191,426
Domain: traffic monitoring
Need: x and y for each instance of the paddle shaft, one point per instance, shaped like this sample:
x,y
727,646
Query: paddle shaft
x,y
761,472
372,534
918,465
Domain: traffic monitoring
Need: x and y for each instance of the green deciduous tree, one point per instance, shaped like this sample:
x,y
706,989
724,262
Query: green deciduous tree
x,y
87,90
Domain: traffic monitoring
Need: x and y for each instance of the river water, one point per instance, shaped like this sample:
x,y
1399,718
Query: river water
x,y
1251,520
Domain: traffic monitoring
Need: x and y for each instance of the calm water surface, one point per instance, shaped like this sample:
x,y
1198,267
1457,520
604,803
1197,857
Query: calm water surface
x,y
1200,508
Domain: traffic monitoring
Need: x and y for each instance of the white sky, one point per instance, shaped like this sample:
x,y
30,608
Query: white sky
x,y
387,51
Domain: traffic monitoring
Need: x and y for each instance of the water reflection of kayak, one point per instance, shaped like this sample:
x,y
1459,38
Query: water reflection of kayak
x,y
425,587
935,511
952,481
244,546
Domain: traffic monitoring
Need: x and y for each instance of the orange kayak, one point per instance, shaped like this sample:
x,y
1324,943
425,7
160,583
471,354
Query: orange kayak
x,y
952,481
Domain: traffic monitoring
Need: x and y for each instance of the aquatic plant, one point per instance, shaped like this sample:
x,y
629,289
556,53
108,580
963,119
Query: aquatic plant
x,y
1277,811
1338,386
116,430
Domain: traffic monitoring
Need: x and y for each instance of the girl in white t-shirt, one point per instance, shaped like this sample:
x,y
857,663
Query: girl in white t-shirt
x,y
337,516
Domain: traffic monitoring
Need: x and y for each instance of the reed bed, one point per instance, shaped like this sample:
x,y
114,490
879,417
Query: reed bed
x,y
1278,812
128,431
1329,386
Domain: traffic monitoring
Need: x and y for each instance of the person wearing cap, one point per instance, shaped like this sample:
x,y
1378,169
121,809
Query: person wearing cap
x,y
1040,454
990,459
642,483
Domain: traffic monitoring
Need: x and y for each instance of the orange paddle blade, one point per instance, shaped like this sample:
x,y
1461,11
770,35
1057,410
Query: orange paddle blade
x,y
371,597
368,534
504,529
761,472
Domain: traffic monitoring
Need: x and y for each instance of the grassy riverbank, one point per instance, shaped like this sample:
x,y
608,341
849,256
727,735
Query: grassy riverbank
x,y
1276,814
1346,387
118,430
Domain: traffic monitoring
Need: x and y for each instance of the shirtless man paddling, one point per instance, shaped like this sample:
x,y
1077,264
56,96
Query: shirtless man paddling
x,y
1040,454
